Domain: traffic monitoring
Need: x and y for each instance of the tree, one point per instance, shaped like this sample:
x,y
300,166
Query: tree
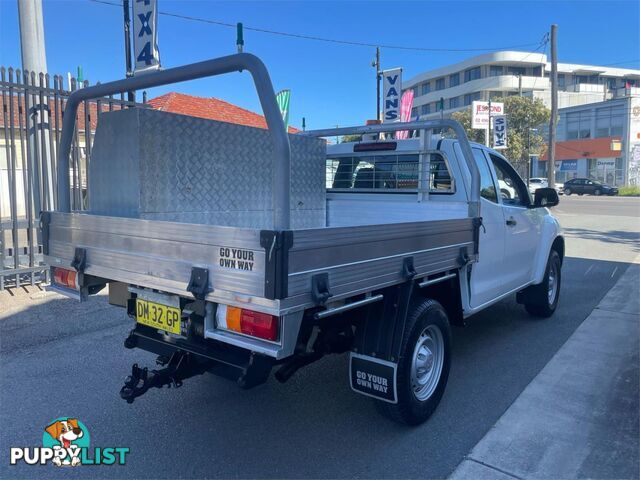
x,y
351,138
464,117
526,118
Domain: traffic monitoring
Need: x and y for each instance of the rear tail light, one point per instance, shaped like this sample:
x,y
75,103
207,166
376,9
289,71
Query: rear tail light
x,y
247,322
66,278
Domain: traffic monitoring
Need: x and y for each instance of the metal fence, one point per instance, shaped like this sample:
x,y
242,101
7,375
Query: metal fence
x,y
30,127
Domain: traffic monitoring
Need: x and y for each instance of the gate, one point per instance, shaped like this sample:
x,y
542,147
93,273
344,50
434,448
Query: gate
x,y
30,127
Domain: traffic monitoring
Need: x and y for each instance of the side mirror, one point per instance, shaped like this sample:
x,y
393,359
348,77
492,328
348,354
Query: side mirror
x,y
545,197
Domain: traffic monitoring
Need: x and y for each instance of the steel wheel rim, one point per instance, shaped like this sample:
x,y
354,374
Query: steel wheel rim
x,y
553,283
427,362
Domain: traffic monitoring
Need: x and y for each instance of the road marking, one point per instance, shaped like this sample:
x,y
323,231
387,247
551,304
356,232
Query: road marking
x,y
588,270
614,272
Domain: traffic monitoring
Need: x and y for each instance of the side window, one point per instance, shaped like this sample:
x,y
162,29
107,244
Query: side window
x,y
439,175
510,185
487,188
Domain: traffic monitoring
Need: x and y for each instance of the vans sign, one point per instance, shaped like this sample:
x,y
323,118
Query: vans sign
x,y
391,92
499,132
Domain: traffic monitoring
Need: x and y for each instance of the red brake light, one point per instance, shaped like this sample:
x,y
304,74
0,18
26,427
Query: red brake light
x,y
248,322
65,278
261,325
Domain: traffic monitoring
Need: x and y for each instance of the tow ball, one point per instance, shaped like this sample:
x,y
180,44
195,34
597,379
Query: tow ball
x,y
180,366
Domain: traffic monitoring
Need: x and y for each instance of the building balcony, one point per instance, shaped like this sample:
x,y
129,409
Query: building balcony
x,y
626,92
503,83
586,88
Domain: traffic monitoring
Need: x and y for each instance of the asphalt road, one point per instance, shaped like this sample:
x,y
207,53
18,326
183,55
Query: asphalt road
x,y
59,358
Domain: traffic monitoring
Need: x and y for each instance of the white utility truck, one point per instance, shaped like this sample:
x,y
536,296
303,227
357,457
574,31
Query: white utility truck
x,y
235,250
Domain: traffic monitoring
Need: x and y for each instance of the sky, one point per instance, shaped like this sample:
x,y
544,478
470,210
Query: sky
x,y
332,84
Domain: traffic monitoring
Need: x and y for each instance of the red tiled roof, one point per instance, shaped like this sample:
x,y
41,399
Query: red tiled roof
x,y
55,111
209,108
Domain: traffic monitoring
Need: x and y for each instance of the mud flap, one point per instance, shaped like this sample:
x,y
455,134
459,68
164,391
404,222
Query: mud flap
x,y
373,377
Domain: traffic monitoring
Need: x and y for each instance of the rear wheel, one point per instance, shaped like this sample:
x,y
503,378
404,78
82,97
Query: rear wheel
x,y
541,300
567,191
423,368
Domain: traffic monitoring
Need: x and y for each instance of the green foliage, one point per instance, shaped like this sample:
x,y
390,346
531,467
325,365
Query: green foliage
x,y
464,117
523,113
351,138
631,191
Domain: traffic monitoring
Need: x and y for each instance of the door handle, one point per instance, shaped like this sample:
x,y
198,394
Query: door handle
x,y
511,221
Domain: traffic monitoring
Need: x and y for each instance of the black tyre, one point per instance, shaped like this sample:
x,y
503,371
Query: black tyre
x,y
541,300
423,367
597,192
567,191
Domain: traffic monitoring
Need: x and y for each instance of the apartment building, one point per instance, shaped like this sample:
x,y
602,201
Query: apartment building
x,y
500,74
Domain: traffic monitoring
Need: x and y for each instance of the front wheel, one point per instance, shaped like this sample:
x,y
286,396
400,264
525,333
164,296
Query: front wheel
x,y
567,191
597,192
423,367
542,300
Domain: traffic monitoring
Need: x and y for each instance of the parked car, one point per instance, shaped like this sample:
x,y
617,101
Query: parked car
x,y
583,186
506,190
536,183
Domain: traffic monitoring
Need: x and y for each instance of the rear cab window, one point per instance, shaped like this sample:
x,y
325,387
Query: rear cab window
x,y
387,173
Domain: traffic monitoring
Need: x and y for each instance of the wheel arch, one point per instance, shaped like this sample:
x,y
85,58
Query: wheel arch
x,y
558,246
552,239
448,294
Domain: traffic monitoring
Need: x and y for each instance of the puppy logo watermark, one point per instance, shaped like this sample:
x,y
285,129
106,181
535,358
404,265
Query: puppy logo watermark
x,y
66,436
65,443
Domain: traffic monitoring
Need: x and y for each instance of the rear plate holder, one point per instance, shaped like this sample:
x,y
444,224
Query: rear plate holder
x,y
373,377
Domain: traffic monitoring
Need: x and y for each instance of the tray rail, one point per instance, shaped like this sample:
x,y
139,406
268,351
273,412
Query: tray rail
x,y
161,255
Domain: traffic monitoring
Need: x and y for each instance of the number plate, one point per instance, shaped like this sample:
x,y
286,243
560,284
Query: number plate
x,y
158,316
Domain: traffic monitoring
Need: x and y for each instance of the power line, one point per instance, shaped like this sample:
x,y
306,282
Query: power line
x,y
324,39
637,60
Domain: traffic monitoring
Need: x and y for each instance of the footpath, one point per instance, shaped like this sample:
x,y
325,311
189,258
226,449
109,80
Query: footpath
x,y
579,417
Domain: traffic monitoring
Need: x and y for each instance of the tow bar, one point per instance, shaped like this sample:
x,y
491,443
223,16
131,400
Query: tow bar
x,y
180,366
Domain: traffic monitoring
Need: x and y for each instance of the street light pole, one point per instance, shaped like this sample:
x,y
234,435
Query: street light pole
x,y
489,142
551,150
520,85
127,45
376,65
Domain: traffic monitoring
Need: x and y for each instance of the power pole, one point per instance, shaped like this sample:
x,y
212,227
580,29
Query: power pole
x,y
34,56
551,151
34,60
376,65
127,46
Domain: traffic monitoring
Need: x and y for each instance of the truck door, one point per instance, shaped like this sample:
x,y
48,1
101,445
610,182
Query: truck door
x,y
486,275
522,226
